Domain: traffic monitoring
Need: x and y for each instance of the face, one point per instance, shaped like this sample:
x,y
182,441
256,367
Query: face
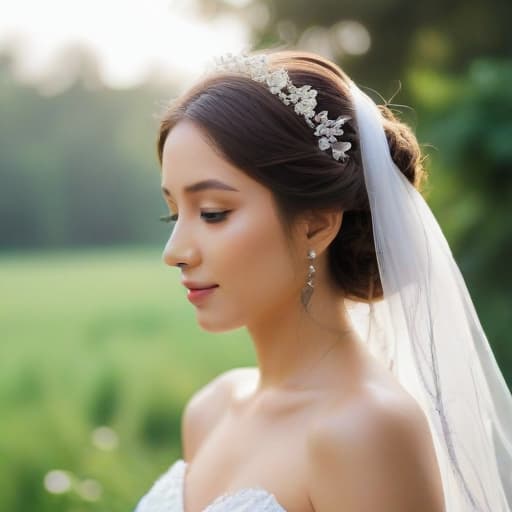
x,y
231,238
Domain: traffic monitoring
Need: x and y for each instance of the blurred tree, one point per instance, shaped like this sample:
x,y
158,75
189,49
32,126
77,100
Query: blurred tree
x,y
78,167
377,41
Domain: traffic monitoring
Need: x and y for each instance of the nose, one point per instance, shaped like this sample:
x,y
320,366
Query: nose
x,y
180,250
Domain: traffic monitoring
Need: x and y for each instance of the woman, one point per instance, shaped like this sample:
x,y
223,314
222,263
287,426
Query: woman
x,y
298,205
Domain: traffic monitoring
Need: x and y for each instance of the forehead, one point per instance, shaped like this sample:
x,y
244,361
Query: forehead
x,y
186,141
188,157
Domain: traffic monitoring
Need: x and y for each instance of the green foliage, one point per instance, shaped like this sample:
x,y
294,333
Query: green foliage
x,y
472,126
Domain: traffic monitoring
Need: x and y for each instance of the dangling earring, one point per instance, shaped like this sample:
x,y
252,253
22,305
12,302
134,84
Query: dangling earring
x,y
307,291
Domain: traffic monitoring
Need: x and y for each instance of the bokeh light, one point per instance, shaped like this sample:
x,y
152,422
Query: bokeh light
x,y
57,481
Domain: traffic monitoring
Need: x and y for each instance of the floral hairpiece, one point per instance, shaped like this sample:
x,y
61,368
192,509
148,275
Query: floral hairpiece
x,y
303,98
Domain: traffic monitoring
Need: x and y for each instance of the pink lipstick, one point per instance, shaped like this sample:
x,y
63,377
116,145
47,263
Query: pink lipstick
x,y
197,295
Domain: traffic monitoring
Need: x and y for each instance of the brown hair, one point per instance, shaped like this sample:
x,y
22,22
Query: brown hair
x,y
266,139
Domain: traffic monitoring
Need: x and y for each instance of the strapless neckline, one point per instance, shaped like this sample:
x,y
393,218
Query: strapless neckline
x,y
167,495
238,494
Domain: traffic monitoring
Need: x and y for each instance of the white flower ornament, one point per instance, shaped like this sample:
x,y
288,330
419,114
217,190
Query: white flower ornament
x,y
302,98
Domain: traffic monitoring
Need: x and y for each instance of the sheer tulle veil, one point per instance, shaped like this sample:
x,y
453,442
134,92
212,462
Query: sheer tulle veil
x,y
428,333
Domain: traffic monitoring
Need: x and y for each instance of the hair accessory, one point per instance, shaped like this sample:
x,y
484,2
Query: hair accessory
x,y
303,98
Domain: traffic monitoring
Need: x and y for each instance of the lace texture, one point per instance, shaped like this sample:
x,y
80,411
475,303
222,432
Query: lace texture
x,y
166,495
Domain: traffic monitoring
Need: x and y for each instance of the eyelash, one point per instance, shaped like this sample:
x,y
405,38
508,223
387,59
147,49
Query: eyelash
x,y
174,218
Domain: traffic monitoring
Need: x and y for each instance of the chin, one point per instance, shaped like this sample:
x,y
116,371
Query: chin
x,y
216,324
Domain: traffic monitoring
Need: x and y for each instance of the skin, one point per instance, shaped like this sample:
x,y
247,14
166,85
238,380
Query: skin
x,y
318,407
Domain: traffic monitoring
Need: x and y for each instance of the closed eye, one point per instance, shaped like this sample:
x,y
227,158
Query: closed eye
x,y
210,217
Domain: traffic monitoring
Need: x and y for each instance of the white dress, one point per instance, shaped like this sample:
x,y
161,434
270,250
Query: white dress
x,y
166,495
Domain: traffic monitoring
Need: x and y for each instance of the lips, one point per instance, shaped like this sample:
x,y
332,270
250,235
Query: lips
x,y
195,285
196,296
199,287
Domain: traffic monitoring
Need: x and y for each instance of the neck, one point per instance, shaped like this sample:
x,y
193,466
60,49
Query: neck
x,y
300,350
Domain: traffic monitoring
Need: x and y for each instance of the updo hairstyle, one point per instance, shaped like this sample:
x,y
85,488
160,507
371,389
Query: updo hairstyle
x,y
253,130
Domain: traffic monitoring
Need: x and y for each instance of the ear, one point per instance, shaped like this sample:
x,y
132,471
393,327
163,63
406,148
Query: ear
x,y
320,227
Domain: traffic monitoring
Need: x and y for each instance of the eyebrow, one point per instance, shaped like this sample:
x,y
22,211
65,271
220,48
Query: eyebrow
x,y
204,185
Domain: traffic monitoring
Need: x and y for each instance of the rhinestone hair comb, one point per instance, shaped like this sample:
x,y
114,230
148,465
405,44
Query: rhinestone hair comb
x,y
302,98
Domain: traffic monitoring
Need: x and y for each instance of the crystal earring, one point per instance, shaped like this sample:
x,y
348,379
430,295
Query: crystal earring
x,y
307,291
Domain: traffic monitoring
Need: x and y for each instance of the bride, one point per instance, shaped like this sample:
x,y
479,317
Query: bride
x,y
300,218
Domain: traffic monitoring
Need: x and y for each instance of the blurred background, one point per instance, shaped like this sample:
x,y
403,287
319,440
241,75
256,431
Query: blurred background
x,y
99,349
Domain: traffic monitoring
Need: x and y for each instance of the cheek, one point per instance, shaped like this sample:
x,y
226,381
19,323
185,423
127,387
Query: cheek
x,y
254,263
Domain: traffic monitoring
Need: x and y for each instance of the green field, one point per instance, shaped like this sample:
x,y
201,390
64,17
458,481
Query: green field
x,y
97,338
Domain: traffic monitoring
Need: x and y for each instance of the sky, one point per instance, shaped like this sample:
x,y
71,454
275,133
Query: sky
x,y
131,38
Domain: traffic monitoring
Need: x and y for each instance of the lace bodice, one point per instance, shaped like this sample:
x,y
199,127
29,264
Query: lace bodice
x,y
166,495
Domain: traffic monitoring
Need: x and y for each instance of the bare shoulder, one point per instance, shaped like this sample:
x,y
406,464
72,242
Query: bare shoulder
x,y
205,406
374,451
